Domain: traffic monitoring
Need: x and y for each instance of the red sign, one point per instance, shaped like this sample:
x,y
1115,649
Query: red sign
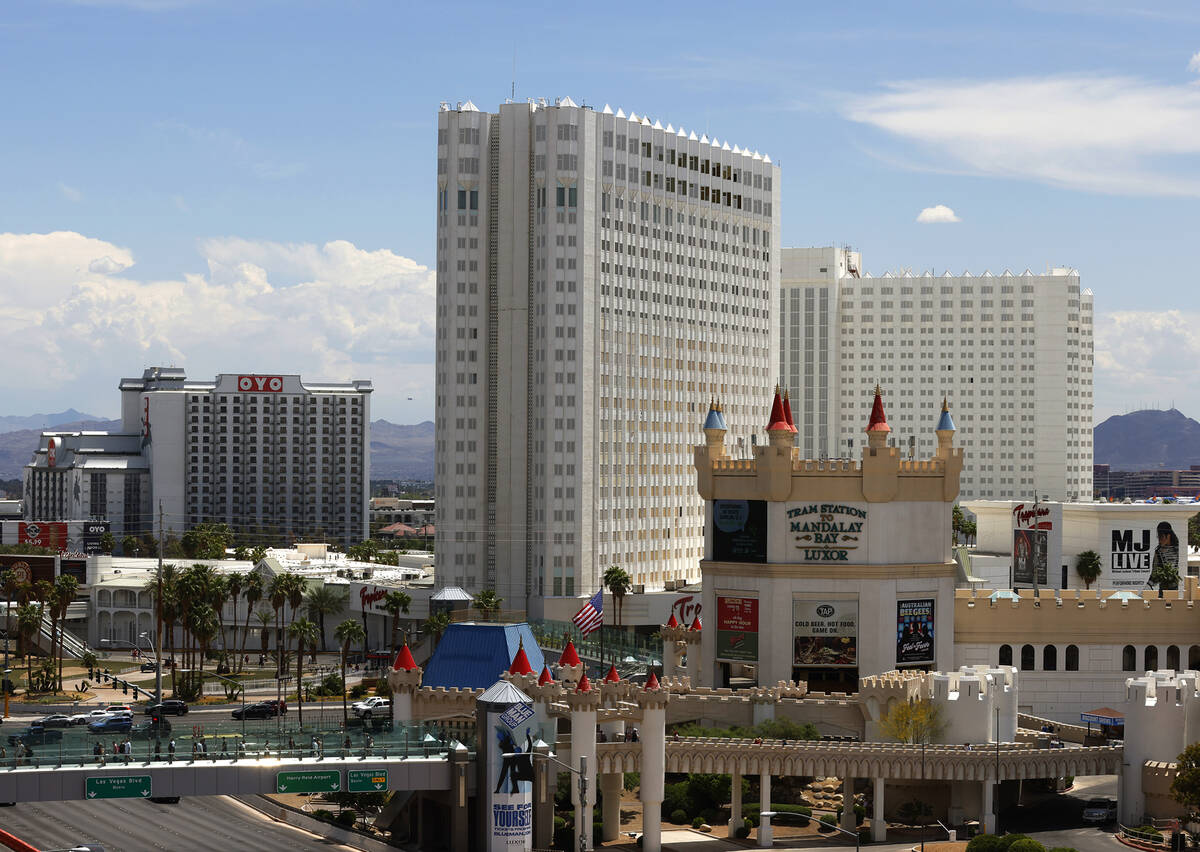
x,y
52,452
737,614
686,608
1031,518
43,534
260,384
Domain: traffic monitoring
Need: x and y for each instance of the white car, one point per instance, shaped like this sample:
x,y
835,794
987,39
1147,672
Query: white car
x,y
119,710
371,706
87,718
1100,811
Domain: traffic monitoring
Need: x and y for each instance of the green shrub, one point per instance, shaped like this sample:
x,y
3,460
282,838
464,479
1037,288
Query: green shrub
x,y
986,843
679,816
346,818
1010,839
1027,844
742,831
697,822
559,822
828,821
358,691
1145,832
632,781
860,814
323,814
915,813
1063,849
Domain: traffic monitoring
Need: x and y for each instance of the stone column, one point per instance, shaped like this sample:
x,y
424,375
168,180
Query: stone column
x,y
460,814
989,813
848,819
766,834
653,702
545,782
583,704
878,824
735,804
611,785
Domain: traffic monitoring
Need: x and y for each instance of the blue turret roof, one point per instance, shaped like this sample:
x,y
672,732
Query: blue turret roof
x,y
715,419
945,422
473,655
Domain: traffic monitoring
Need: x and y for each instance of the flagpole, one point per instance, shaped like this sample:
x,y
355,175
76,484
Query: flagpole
x,y
602,631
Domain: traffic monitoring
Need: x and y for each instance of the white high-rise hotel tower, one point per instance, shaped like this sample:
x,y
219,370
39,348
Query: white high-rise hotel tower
x,y
600,279
1013,353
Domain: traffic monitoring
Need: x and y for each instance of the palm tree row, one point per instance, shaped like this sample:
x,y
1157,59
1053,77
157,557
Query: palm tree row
x,y
52,601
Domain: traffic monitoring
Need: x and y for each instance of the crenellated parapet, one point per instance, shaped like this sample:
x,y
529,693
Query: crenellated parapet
x,y
442,703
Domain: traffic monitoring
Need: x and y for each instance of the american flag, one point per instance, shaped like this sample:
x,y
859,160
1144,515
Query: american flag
x,y
591,615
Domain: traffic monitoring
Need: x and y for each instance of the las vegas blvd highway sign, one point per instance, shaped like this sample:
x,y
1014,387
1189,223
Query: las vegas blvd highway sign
x,y
118,787
308,782
366,780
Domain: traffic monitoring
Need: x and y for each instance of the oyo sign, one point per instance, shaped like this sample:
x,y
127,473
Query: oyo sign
x,y
260,384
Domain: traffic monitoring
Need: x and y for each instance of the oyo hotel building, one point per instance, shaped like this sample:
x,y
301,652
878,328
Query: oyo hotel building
x,y
826,571
1013,353
600,277
264,453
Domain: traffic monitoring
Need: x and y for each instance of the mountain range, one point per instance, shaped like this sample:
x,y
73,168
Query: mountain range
x,y
1148,440
397,451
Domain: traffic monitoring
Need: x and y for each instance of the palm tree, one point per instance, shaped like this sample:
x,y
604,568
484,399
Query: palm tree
x,y
264,629
66,586
436,624
322,601
234,583
305,634
29,621
277,595
253,594
487,602
347,633
204,626
395,603
617,580
218,594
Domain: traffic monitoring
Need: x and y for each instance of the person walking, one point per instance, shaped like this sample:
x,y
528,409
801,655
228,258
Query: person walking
x,y
171,750
98,752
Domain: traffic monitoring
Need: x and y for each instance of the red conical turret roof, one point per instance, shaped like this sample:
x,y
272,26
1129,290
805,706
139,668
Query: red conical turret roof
x,y
404,660
672,621
696,625
585,685
652,681
520,663
777,421
787,412
878,422
569,657
545,676
612,676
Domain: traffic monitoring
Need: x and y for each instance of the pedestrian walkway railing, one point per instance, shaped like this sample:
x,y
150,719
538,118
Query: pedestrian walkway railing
x,y
230,741
617,646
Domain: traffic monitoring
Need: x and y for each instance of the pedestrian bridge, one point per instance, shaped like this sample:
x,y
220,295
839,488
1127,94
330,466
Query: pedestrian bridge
x,y
51,782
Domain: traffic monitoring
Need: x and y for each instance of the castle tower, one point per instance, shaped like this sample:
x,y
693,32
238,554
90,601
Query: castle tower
x,y
404,679
945,430
779,430
714,431
878,428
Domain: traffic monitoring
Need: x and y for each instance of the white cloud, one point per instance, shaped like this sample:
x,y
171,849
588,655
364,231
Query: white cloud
x,y
1110,134
1146,359
1194,62
332,311
937,214
69,192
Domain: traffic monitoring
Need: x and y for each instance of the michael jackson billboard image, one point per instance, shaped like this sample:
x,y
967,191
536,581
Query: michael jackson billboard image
x,y
1029,556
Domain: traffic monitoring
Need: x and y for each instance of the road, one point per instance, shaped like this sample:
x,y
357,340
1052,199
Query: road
x,y
197,824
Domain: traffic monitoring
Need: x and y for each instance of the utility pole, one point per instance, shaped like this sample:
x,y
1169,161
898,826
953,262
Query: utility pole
x,y
158,643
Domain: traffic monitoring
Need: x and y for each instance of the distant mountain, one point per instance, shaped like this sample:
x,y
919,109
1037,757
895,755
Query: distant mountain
x,y
17,423
397,451
401,452
1148,440
17,447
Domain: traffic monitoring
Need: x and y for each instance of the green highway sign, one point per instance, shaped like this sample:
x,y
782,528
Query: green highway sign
x,y
118,787
329,781
366,780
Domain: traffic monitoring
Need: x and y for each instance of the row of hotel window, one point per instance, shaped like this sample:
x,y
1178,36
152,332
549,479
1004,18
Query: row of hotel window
x,y
1129,658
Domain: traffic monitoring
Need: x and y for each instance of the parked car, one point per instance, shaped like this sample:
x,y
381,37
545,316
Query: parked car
x,y
375,704
119,710
149,666
258,710
111,725
36,735
1100,811
86,718
55,720
170,707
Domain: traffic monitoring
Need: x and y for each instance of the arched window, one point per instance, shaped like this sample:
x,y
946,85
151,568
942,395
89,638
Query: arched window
x,y
1027,658
1194,657
1151,658
1072,658
1050,658
1173,657
1006,655
1128,659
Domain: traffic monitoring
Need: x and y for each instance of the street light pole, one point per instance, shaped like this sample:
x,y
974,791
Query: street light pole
x,y
158,694
581,772
157,667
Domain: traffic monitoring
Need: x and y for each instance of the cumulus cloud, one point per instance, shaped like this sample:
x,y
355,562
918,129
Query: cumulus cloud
x,y
1109,134
1194,62
333,311
69,192
937,214
1146,359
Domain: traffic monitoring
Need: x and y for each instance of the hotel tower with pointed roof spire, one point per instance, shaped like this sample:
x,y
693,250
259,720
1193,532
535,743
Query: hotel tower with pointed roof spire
x,y
600,278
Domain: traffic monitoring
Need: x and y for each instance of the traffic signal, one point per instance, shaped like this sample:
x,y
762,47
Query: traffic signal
x,y
125,687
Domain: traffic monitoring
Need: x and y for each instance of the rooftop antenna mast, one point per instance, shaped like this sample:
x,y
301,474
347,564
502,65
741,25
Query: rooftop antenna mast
x,y
513,94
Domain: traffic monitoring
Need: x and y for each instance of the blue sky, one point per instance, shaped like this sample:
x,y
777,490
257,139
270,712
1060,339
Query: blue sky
x,y
247,185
